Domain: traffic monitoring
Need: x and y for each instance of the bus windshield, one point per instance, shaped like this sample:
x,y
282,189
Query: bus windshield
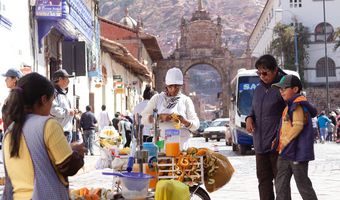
x,y
246,87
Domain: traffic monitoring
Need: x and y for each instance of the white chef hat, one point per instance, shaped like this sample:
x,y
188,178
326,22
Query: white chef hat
x,y
174,76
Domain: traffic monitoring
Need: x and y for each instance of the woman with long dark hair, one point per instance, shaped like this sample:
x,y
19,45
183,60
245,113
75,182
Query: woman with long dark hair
x,y
37,156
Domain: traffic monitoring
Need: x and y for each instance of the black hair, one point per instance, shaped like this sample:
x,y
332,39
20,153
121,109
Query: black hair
x,y
22,98
148,92
103,107
266,61
117,114
88,108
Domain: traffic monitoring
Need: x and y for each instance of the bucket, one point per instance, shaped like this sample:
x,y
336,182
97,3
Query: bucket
x,y
134,184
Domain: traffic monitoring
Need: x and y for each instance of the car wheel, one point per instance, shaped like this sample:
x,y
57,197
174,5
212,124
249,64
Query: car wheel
x,y
206,139
243,149
218,139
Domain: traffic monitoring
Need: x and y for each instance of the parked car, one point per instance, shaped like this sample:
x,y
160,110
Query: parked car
x,y
217,129
199,131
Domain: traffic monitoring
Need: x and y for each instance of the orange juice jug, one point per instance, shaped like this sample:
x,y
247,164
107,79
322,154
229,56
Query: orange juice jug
x,y
172,149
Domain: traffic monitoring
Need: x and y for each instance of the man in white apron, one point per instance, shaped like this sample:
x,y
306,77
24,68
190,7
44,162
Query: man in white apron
x,y
172,101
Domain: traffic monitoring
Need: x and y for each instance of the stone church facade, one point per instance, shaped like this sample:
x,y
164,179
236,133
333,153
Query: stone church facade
x,y
201,43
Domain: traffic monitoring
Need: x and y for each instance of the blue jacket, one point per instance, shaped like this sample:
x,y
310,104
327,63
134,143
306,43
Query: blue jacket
x,y
323,121
302,147
267,107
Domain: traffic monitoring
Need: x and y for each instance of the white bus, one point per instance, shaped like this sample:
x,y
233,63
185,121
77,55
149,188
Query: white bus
x,y
242,88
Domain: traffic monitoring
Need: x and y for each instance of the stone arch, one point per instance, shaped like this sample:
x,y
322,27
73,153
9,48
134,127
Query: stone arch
x,y
201,43
205,88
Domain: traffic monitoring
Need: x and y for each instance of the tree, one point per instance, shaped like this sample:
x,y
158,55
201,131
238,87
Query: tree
x,y
283,45
337,35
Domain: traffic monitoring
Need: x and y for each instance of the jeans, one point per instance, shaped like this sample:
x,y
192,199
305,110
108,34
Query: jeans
x,y
266,172
128,138
329,136
88,140
68,136
288,168
323,132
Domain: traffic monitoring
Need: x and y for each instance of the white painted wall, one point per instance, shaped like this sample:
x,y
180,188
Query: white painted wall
x,y
15,47
310,15
117,102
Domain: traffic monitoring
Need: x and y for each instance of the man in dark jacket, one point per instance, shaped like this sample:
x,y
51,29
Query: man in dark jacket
x,y
88,123
264,121
115,120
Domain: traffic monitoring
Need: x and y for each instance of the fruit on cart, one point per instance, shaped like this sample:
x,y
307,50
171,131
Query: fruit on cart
x,y
86,194
201,151
177,121
109,142
2,180
192,151
124,151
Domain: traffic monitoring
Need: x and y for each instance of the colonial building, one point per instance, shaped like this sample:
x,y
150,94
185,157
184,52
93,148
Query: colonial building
x,y
309,14
127,55
201,43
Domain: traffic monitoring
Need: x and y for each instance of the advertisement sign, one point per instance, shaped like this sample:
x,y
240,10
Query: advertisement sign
x,y
48,8
119,87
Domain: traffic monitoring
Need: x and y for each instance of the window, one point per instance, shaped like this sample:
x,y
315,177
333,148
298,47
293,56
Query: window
x,y
321,67
320,33
295,3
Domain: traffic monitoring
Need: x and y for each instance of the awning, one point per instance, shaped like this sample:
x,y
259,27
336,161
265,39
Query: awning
x,y
122,55
151,45
70,17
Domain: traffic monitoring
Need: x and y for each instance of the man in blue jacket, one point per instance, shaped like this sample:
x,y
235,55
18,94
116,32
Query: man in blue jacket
x,y
264,121
323,121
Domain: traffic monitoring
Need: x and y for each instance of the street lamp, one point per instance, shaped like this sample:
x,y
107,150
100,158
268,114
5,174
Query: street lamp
x,y
326,57
296,63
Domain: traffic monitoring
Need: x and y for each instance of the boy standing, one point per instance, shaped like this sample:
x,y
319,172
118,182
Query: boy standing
x,y
295,141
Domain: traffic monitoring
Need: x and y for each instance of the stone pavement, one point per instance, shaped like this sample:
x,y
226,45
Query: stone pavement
x,y
324,173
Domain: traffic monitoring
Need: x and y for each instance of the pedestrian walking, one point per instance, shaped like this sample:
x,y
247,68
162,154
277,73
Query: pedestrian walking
x,y
331,127
169,102
62,110
337,137
294,141
12,76
315,129
323,121
77,132
37,156
125,130
147,94
103,118
116,120
88,124
263,122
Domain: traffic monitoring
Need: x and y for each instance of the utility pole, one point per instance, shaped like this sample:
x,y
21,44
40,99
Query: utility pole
x,y
326,57
296,48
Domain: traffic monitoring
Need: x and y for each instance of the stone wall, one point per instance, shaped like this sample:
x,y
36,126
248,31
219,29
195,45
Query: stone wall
x,y
318,97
